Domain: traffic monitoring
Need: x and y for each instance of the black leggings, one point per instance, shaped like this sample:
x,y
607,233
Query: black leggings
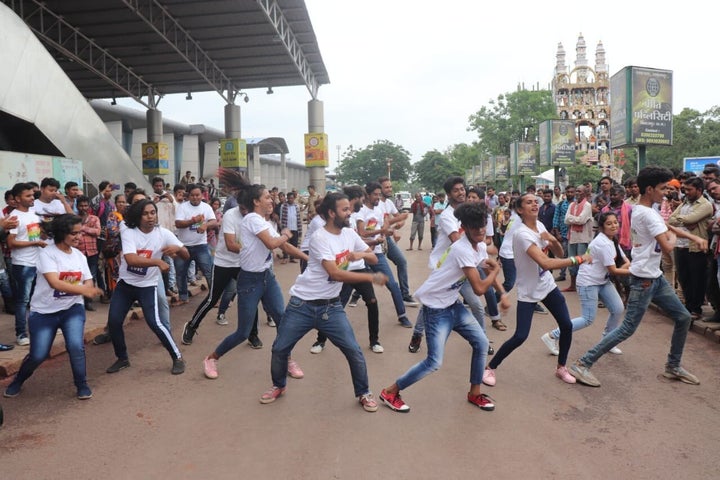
x,y
555,303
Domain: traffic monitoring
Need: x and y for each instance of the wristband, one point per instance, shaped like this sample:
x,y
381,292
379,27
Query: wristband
x,y
580,260
573,261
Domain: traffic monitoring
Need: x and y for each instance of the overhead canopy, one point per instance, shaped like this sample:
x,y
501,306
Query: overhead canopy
x,y
148,48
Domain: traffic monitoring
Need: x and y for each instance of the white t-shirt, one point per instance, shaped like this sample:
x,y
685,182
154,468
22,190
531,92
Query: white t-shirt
x,y
189,235
147,245
447,223
254,255
315,224
28,230
602,251
374,219
441,288
646,252
49,210
389,206
314,283
230,225
71,268
357,264
533,283
506,249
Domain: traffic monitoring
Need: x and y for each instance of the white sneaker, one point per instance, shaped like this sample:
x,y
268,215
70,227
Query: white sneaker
x,y
23,340
271,322
551,344
377,348
221,320
317,347
616,351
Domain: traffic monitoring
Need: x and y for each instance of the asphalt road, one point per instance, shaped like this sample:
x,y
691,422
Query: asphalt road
x,y
144,423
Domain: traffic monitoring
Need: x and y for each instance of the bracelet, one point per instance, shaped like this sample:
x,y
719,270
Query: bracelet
x,y
579,260
573,261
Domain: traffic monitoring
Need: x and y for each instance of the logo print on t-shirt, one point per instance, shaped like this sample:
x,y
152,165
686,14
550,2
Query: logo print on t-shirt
x,y
33,232
73,278
372,224
342,260
142,271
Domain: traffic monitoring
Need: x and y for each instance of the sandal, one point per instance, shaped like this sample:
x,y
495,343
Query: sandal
x,y
499,325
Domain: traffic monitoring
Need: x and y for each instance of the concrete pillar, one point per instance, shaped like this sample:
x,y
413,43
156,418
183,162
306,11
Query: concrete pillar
x,y
153,119
232,121
256,169
316,124
283,173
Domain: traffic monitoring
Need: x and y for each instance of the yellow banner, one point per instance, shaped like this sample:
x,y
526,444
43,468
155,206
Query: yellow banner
x,y
316,150
155,158
233,153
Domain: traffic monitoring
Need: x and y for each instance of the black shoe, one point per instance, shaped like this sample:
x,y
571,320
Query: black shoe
x,y
491,350
89,307
102,338
255,342
540,309
178,366
119,364
6,348
188,334
415,342
410,301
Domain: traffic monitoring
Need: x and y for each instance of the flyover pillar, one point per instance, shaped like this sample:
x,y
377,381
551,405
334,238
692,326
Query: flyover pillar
x,y
256,169
316,124
153,119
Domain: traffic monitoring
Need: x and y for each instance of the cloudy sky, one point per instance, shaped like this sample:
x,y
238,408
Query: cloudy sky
x,y
412,72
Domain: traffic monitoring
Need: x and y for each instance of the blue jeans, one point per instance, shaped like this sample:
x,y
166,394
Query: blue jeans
x,y
395,255
122,299
203,260
490,299
439,322
476,307
5,287
642,292
509,275
331,320
589,301
383,267
43,328
24,279
573,250
555,303
252,287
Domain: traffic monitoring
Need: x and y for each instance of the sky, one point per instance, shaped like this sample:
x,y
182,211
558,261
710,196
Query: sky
x,y
412,72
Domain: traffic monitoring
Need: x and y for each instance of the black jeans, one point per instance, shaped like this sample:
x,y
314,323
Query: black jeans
x,y
692,270
366,290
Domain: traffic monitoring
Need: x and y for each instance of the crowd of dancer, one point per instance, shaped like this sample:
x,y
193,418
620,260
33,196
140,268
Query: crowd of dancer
x,y
618,246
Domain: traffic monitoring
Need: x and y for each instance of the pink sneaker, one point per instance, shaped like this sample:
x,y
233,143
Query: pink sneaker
x,y
294,369
563,374
368,402
489,377
272,394
210,368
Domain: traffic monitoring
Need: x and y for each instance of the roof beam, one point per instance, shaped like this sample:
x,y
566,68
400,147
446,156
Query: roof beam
x,y
69,41
285,32
159,19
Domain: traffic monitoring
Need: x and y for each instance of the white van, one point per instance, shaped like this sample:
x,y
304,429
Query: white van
x,y
407,200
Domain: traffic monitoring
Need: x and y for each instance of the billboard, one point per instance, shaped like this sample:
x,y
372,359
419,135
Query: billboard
x,y
316,150
641,107
502,168
557,143
525,161
233,153
155,158
697,164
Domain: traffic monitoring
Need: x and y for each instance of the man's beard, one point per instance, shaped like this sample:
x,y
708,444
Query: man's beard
x,y
341,223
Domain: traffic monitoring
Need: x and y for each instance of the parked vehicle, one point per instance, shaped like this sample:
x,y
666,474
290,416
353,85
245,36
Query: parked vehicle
x,y
406,199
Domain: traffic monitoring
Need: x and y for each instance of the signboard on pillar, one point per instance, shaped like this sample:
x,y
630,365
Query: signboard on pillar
x,y
525,160
641,107
502,169
557,143
155,158
233,153
316,150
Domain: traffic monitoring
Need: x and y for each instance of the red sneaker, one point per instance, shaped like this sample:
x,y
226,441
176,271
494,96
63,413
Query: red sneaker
x,y
482,401
394,402
272,394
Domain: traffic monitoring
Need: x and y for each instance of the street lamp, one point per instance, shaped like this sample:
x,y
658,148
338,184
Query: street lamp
x,y
389,166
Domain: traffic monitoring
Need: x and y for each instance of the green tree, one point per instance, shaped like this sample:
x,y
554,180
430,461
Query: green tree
x,y
580,174
434,168
464,156
362,166
512,117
